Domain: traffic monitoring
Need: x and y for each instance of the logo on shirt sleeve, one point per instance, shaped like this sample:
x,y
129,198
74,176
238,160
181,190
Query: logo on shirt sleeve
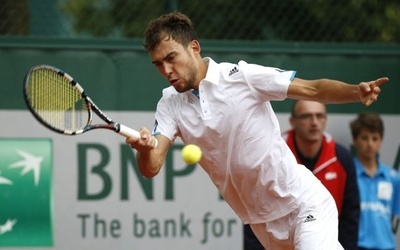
x,y
233,71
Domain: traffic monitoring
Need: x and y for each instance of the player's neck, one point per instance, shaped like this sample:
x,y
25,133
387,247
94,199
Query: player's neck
x,y
202,70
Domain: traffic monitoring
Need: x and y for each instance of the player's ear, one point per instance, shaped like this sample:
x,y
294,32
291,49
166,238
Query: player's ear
x,y
195,46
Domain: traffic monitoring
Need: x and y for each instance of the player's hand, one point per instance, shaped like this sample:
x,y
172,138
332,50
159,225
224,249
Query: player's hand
x,y
369,91
145,143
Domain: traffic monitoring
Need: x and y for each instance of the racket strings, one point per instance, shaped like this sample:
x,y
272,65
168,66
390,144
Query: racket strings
x,y
57,101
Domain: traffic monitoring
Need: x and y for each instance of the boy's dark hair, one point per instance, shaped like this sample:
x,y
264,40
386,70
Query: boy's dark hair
x,y
369,121
175,25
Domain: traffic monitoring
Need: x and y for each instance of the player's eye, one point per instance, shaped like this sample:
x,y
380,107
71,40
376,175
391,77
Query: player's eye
x,y
170,58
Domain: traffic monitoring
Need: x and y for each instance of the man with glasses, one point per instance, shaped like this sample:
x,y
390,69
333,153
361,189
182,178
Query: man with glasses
x,y
330,162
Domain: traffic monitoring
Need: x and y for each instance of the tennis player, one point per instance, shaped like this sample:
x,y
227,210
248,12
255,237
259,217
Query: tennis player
x,y
225,109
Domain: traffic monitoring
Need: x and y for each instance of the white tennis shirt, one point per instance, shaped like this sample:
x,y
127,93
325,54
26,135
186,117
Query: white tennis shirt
x,y
233,123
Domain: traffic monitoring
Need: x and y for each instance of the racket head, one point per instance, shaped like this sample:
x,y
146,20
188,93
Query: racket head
x,y
56,100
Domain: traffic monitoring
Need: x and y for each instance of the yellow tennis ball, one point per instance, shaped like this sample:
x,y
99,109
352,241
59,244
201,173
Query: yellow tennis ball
x,y
191,154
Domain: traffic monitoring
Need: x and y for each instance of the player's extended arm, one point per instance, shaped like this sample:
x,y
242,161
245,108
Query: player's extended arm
x,y
332,91
150,159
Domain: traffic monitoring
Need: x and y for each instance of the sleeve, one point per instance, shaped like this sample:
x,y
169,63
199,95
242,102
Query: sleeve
x,y
349,216
165,123
267,83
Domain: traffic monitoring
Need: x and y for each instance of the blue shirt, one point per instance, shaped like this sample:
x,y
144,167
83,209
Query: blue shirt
x,y
380,200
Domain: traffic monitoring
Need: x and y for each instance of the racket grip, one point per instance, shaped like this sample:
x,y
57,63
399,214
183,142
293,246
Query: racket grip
x,y
128,132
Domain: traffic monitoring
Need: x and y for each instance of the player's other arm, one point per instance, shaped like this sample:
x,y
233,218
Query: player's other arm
x,y
332,91
149,159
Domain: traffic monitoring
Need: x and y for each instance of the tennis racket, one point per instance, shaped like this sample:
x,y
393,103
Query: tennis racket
x,y
58,102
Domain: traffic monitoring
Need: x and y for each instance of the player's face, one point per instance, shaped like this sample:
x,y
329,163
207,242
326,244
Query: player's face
x,y
367,144
309,121
176,63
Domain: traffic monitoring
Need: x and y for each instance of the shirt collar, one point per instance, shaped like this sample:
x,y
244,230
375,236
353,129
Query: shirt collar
x,y
213,71
212,76
362,171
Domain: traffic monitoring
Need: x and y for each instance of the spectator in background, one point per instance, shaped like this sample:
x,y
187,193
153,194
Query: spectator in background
x,y
330,162
378,185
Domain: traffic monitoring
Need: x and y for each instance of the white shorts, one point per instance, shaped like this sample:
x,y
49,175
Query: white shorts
x,y
313,226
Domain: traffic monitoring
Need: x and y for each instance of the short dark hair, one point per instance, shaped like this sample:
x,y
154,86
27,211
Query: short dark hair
x,y
175,25
369,121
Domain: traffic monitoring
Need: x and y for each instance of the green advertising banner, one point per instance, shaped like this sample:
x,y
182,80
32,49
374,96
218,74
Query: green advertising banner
x,y
25,192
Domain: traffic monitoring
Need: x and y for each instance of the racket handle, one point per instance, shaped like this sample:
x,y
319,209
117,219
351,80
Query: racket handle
x,y
128,132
